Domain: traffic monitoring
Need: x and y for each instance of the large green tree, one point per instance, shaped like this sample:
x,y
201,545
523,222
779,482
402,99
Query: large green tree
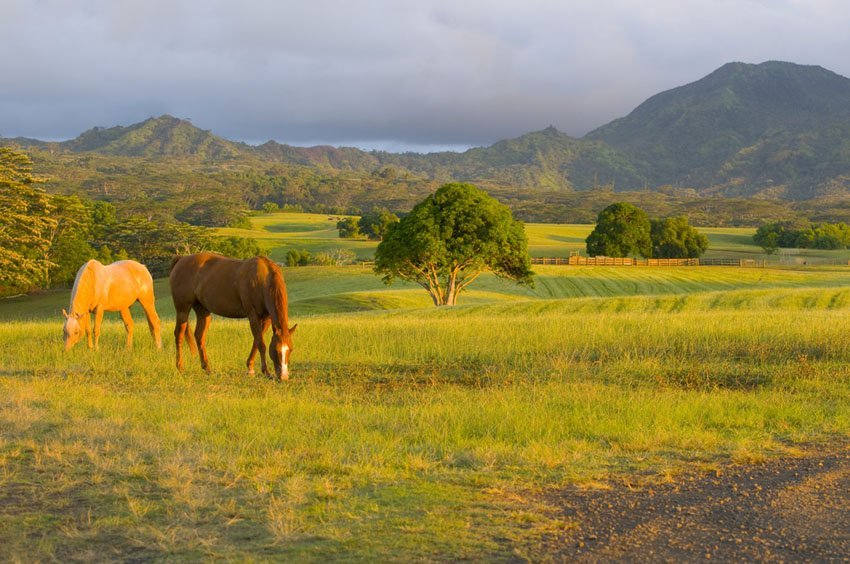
x,y
25,224
622,230
449,239
673,237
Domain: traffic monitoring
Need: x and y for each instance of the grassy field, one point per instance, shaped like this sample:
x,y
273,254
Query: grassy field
x,y
279,232
407,431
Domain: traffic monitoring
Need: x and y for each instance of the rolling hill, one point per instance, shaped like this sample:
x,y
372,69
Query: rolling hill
x,y
774,131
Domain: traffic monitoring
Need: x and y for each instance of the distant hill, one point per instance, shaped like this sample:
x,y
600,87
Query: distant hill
x,y
164,136
775,128
772,130
542,160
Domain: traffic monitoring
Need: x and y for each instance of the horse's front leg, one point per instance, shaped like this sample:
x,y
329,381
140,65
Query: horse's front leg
x,y
87,318
258,328
127,318
203,323
98,319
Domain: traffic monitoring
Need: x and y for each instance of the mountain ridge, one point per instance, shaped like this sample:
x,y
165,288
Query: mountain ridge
x,y
773,129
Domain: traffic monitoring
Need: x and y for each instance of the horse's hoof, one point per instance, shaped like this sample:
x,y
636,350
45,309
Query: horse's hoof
x,y
250,372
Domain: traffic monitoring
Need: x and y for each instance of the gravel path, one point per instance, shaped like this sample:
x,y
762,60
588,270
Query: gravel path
x,y
793,509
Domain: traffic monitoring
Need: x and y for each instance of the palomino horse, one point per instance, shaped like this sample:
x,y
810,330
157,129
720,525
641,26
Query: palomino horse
x,y
252,288
114,287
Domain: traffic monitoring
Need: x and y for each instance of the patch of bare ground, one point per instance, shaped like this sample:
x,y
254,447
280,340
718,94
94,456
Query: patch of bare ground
x,y
790,509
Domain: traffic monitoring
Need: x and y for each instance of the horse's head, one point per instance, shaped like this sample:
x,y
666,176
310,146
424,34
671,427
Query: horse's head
x,y
73,329
281,348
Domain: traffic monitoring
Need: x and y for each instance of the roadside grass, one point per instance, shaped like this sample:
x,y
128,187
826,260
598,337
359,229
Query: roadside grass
x,y
410,432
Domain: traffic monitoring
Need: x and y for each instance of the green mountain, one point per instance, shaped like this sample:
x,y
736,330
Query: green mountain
x,y
342,158
775,128
165,136
542,160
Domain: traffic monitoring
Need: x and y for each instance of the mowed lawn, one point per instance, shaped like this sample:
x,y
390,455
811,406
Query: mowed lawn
x,y
407,431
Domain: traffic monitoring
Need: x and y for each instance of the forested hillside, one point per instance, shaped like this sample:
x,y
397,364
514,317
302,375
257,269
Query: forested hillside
x,y
774,137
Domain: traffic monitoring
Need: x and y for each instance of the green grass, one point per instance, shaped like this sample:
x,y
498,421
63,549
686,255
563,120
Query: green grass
x,y
317,290
410,432
407,431
280,232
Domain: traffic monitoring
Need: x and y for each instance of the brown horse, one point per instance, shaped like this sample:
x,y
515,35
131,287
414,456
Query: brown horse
x,y
115,287
252,288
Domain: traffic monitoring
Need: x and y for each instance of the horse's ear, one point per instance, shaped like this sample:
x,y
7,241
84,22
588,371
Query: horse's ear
x,y
79,315
64,313
292,329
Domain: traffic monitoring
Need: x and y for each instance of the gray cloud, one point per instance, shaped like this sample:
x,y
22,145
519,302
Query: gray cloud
x,y
382,73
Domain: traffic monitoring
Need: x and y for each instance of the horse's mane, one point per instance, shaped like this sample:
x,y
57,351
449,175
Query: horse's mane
x,y
277,288
83,288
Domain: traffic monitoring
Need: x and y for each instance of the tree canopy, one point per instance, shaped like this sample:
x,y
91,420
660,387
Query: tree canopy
x,y
25,223
673,237
622,229
449,239
772,236
376,223
349,228
45,238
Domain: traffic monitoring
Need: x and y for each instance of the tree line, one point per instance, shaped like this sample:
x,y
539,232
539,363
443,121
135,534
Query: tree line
x,y
45,238
828,236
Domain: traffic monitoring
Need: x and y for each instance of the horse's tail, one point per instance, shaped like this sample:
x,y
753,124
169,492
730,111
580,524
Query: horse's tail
x,y
173,262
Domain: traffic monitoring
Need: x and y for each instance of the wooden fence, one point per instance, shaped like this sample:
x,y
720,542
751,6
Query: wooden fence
x,y
576,260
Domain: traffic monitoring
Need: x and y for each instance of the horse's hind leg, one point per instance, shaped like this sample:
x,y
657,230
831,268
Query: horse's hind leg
x,y
127,318
202,324
154,323
258,328
190,339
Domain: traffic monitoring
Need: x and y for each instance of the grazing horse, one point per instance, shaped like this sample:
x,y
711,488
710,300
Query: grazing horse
x,y
115,287
252,288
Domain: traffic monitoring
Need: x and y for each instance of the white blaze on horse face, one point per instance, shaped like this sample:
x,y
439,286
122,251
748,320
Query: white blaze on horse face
x,y
284,367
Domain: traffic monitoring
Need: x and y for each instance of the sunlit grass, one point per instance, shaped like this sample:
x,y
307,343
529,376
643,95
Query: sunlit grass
x,y
317,290
280,232
410,432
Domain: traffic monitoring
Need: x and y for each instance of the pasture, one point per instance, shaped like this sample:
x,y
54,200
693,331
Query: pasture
x,y
407,431
279,232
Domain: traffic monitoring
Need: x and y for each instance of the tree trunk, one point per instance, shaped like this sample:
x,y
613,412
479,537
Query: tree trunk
x,y
451,290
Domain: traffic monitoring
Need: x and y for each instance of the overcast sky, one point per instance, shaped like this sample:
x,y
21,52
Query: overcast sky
x,y
391,74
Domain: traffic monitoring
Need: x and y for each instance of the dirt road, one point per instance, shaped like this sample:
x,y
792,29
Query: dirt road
x,y
793,509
